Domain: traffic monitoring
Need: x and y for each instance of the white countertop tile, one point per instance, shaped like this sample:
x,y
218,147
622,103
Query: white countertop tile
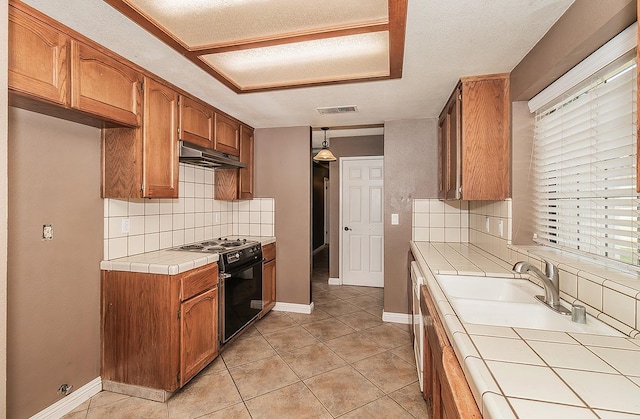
x,y
531,409
546,369
532,382
570,356
603,391
505,349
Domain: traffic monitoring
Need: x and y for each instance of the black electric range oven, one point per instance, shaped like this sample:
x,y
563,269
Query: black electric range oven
x,y
240,282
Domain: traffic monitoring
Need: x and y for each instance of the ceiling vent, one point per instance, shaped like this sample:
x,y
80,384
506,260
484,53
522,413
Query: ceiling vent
x,y
337,109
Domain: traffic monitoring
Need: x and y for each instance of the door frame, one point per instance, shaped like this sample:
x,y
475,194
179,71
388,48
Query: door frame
x,y
342,160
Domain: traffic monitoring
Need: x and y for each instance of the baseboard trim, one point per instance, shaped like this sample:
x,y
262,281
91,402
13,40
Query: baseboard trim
x,y
294,308
403,318
335,281
70,402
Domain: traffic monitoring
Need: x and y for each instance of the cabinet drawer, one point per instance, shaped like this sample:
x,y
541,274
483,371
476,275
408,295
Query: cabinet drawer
x,y
198,280
269,252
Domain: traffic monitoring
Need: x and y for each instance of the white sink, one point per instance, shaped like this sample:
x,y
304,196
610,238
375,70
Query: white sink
x,y
510,302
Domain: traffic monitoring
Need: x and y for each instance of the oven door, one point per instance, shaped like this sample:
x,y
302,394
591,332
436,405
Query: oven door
x,y
240,299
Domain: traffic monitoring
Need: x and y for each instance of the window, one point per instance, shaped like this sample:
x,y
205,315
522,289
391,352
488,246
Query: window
x,y
584,162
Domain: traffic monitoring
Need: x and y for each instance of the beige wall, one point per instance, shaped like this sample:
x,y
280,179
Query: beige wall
x,y
371,145
522,122
283,172
3,206
410,171
585,27
53,286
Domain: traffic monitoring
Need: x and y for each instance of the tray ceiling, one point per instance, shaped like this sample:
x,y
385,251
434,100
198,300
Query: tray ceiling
x,y
258,45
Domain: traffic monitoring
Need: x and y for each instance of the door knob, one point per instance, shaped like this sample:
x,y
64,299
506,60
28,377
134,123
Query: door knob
x,y
347,229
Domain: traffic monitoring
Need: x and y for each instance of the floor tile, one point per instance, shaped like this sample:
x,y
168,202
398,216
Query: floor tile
x,y
338,307
382,408
365,302
411,400
262,376
312,360
388,371
205,394
294,401
387,336
360,320
106,397
290,339
328,329
317,315
215,366
247,350
130,408
406,352
237,411
343,389
79,412
273,322
354,347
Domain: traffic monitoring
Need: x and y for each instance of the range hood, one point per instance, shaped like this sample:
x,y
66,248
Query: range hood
x,y
206,157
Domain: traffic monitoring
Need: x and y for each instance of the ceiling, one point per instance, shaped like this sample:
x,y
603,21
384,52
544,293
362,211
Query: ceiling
x,y
444,40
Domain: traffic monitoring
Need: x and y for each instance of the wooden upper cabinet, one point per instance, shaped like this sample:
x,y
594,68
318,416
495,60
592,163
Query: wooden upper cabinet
x,y
246,156
38,59
475,140
103,86
196,122
160,140
227,135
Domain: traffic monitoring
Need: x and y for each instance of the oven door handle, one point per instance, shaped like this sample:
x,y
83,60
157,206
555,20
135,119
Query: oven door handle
x,y
224,275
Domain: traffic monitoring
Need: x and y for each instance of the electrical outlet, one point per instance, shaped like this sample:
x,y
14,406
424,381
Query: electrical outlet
x,y
125,227
500,228
47,232
486,224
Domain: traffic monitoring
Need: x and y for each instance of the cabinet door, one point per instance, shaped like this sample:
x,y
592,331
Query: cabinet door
x,y
227,136
268,286
199,333
226,184
104,87
196,122
38,59
452,153
246,157
160,141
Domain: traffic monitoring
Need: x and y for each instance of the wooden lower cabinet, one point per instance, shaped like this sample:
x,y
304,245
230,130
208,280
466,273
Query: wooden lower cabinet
x,y
445,385
158,331
268,278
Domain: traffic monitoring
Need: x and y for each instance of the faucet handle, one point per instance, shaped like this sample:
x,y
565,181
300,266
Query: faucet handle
x,y
550,269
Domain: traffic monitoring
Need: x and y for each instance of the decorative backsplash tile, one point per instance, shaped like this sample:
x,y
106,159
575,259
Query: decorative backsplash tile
x,y
156,224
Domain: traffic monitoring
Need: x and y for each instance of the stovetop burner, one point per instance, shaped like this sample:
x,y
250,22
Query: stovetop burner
x,y
217,246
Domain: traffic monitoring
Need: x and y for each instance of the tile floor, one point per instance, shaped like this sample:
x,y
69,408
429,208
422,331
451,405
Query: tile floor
x,y
340,361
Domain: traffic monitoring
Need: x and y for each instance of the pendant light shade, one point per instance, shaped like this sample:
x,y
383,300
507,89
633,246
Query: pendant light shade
x,y
325,154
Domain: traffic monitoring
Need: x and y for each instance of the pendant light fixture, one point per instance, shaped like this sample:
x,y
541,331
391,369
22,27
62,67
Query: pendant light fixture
x,y
325,154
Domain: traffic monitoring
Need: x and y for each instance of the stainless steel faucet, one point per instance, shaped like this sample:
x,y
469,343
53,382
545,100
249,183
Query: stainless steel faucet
x,y
550,281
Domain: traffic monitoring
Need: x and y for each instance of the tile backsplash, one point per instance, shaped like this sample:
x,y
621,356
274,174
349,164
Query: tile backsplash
x,y
156,224
440,221
608,290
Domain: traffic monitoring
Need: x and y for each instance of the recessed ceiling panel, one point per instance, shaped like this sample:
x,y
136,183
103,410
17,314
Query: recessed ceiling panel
x,y
201,23
257,45
340,58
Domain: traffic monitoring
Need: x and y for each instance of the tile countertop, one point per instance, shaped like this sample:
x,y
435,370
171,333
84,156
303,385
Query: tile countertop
x,y
529,373
167,261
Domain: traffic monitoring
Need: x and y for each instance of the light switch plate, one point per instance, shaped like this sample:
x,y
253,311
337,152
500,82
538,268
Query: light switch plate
x,y
395,219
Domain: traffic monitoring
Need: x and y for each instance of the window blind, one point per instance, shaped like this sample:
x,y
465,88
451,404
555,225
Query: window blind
x,y
584,163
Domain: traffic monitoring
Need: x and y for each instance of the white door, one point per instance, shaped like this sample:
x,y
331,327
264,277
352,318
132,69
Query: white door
x,y
362,223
